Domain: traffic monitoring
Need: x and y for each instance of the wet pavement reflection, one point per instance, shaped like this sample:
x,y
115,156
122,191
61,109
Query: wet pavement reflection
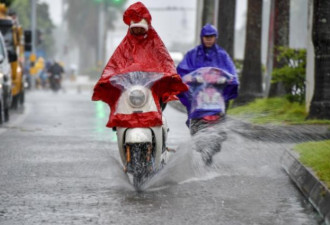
x,y
60,165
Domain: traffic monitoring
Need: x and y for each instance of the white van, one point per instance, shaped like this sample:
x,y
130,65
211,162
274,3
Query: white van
x,y
5,83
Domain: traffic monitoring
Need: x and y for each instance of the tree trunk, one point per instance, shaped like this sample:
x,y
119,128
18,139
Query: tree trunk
x,y
208,12
87,56
320,106
226,25
251,80
281,38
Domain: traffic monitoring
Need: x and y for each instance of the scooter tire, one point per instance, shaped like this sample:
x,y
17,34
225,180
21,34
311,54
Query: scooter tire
x,y
137,181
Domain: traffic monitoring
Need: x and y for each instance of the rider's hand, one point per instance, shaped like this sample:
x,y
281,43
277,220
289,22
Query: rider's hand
x,y
221,80
187,79
199,79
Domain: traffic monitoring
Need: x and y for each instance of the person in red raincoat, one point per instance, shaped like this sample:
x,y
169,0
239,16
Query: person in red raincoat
x,y
140,50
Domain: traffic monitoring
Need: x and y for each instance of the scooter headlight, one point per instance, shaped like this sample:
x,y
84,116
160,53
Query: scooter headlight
x,y
137,98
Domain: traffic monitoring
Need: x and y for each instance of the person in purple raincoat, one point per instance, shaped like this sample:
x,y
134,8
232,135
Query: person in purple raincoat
x,y
207,54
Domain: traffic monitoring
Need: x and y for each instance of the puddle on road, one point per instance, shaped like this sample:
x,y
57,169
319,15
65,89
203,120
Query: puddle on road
x,y
239,156
186,165
183,166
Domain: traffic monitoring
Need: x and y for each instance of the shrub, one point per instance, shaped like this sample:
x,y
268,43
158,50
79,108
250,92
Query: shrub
x,y
292,73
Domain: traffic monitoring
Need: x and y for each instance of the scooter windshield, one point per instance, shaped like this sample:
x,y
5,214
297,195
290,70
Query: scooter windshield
x,y
138,78
206,87
136,92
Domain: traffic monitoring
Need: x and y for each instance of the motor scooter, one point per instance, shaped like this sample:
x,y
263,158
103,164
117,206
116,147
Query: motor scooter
x,y
142,150
206,107
55,82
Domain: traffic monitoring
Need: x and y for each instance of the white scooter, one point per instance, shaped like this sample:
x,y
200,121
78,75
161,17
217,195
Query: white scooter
x,y
142,150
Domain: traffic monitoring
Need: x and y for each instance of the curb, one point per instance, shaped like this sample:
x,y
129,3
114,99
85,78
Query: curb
x,y
282,133
313,189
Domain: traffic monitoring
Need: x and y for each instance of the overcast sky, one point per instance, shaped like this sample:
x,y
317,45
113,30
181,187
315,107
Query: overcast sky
x,y
171,25
56,7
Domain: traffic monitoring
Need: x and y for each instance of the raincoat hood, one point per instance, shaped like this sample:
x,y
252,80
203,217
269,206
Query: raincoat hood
x,y
136,13
209,30
145,53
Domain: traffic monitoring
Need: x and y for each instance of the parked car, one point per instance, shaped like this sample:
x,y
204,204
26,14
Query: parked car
x,y
5,83
13,35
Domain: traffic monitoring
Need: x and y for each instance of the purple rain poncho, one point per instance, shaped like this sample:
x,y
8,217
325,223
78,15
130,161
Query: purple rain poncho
x,y
213,57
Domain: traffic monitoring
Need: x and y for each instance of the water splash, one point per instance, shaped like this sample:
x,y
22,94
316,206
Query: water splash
x,y
238,157
188,163
119,179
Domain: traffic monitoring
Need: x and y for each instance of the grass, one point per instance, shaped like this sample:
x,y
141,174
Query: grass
x,y
274,111
316,155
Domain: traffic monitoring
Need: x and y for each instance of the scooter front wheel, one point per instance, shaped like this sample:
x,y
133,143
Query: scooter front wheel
x,y
139,164
137,181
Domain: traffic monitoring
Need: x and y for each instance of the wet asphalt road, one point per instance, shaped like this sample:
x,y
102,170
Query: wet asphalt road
x,y
60,165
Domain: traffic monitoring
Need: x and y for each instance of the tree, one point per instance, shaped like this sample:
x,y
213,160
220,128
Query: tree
x,y
320,106
226,25
208,12
292,74
251,80
82,18
281,38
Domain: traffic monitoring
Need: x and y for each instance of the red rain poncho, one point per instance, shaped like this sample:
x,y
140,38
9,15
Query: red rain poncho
x,y
139,53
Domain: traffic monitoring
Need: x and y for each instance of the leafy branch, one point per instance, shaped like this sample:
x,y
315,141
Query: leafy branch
x,y
293,72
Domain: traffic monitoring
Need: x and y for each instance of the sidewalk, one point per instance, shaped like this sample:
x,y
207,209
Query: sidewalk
x,y
283,133
277,133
